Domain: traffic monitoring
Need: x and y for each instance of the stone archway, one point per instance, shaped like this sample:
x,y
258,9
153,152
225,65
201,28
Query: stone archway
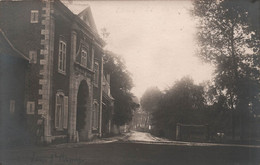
x,y
82,106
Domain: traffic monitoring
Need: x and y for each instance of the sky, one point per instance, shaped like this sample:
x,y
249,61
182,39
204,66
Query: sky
x,y
156,39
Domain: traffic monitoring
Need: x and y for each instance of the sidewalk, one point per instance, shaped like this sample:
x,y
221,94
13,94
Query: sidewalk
x,y
95,141
62,145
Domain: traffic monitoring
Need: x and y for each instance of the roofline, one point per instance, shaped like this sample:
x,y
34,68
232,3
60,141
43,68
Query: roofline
x,y
80,22
88,9
12,46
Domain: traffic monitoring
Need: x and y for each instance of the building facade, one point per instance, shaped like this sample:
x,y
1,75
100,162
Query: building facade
x,y
64,85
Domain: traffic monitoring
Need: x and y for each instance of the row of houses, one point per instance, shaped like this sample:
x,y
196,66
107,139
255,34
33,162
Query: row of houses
x,y
53,87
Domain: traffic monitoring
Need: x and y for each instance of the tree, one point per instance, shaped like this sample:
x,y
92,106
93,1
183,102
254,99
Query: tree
x,y
182,103
149,103
150,99
227,41
120,86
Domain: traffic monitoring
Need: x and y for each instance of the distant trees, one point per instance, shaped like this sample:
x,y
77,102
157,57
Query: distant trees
x,y
150,99
227,41
149,103
182,103
120,86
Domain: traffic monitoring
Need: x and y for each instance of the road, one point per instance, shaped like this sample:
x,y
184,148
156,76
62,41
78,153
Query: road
x,y
135,148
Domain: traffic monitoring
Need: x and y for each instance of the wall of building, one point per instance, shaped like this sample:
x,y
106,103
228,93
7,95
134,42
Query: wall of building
x,y
13,127
60,81
42,79
25,36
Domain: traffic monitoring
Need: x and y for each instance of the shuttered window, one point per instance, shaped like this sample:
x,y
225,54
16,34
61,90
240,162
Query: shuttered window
x,y
62,57
61,111
65,114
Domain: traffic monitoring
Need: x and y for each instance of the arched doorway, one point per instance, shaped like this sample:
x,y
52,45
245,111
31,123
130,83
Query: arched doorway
x,y
82,97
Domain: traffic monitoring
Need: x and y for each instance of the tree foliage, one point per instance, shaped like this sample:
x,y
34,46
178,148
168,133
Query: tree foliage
x,y
228,41
150,99
120,85
182,103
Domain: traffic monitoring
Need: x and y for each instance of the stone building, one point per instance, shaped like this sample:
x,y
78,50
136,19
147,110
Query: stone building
x,y
63,89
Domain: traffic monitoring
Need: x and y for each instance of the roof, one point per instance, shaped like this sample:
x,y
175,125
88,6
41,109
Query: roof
x,y
87,12
72,12
7,48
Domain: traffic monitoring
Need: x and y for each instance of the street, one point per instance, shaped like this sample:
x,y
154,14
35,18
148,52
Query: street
x,y
133,149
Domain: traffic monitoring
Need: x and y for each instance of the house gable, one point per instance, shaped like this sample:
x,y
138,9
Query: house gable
x,y
87,17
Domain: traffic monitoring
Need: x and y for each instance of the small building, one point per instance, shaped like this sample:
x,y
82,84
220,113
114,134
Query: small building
x,y
58,90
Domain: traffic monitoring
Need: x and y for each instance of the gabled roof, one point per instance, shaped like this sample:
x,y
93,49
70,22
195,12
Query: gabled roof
x,y
7,48
73,14
87,17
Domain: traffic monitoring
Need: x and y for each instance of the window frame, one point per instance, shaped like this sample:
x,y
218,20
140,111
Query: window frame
x,y
96,73
30,104
33,56
92,58
88,59
84,58
61,111
62,57
34,16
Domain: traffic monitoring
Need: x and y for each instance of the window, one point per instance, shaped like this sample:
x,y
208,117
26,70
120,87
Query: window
x,y
95,116
30,107
61,111
33,57
92,57
89,61
34,16
12,106
96,69
84,57
62,57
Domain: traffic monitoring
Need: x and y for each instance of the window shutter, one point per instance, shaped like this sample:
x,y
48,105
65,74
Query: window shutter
x,y
56,112
36,16
65,114
92,58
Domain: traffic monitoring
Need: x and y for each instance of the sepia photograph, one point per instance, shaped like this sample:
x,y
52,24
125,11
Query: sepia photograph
x,y
129,82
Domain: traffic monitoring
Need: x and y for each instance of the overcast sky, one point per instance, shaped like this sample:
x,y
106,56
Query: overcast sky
x,y
156,39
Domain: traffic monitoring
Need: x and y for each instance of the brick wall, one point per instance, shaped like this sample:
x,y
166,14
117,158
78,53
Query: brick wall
x,y
15,21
